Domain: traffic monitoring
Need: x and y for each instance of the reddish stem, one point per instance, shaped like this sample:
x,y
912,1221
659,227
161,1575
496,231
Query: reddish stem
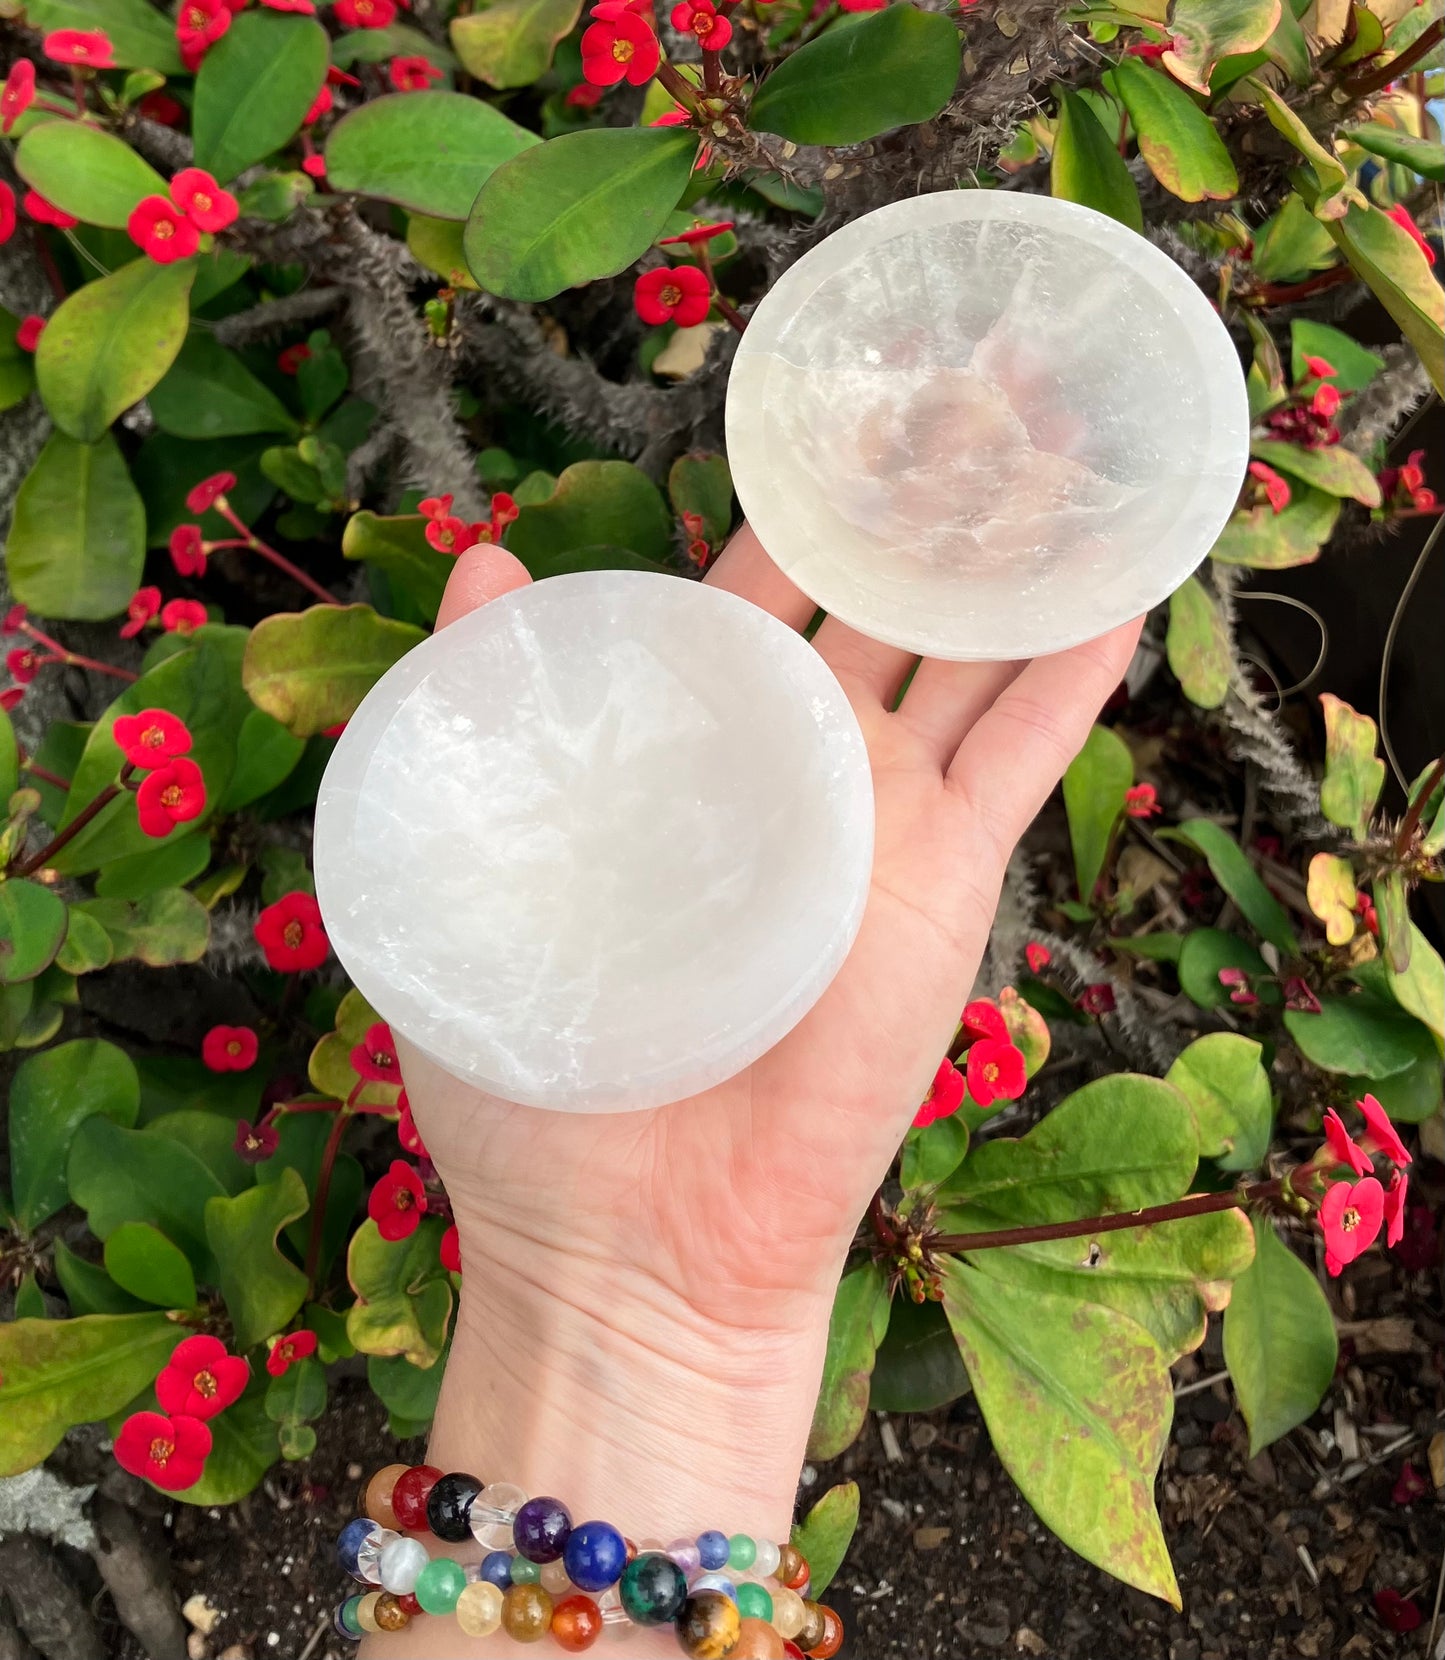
x,y
1419,48
712,71
1411,821
46,776
1286,293
63,654
323,1188
682,90
68,834
279,560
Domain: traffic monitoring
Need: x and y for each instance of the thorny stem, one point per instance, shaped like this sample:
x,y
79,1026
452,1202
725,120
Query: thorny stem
x,y
1411,821
323,1186
267,552
1421,47
69,833
712,71
681,89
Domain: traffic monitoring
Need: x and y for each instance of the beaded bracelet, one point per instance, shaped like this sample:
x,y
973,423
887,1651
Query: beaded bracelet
x,y
544,1576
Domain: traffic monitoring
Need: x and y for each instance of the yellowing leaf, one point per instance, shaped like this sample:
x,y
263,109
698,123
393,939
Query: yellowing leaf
x,y
1331,894
1354,774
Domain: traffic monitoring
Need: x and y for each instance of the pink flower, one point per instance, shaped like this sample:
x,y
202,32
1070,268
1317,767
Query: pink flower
x,y
27,336
201,199
1409,1485
201,1378
1342,1146
1141,801
1401,216
188,550
170,1452
151,737
1395,1207
1326,402
1398,1612
397,1202
173,794
1320,368
88,48
1350,1217
158,227
1097,999
144,603
230,1048
364,14
678,294
290,358
210,492
255,1143
944,1098
1380,1135
17,94
183,616
374,1058
451,1250
406,1131
287,1350
995,1072
982,1019
1276,489
199,24
619,46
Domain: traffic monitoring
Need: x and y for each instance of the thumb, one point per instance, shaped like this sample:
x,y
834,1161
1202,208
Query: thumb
x,y
483,572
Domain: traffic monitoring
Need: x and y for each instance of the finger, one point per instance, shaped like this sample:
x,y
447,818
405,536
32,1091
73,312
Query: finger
x,y
868,670
481,573
944,700
744,568
1017,751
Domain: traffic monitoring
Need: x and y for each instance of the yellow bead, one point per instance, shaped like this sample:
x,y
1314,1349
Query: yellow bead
x,y
389,1613
708,1626
789,1612
366,1611
527,1613
479,1609
376,1496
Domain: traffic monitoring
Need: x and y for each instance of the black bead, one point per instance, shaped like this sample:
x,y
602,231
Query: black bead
x,y
449,1506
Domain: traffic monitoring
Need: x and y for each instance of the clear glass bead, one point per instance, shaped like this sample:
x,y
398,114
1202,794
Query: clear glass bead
x,y
609,1602
401,1563
646,1545
685,1553
713,1582
766,1563
554,1578
493,1511
368,1554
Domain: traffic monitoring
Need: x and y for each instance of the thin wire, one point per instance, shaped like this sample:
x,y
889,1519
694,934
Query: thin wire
x,y
1320,623
1268,674
1389,651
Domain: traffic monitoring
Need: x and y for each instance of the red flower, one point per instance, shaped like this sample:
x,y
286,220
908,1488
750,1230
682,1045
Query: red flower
x,y
364,14
17,94
46,213
201,199
619,46
1142,801
287,1350
14,620
201,1378
1397,1612
700,18
314,167
1299,996
406,1130
1401,216
982,1019
1037,956
304,6
1350,1215
1380,1136
698,233
435,507
450,534
230,1048
320,104
27,336
1409,1485
862,5
89,48
291,935
161,108
173,794
412,74
945,1095
1365,910
995,1072
1340,1143
199,24
1148,49
255,1143
398,1202
672,293
1395,1207
1097,999
188,550
290,358
583,97
144,603
209,491
10,698
24,663
183,616
1276,489
451,1250
1326,402
7,212
1320,368
374,1058
158,227
151,736
171,1452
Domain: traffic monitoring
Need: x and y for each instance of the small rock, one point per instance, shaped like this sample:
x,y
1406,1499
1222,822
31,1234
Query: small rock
x,y
198,1612
196,1646
1185,1649
1261,1469
354,1472
1194,1461
236,1651
929,1538
1029,1642
921,1435
1437,1460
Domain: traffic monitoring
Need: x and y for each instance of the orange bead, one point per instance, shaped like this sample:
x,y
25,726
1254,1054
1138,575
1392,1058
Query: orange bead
x,y
793,1569
576,1624
758,1641
389,1613
376,1496
832,1635
527,1613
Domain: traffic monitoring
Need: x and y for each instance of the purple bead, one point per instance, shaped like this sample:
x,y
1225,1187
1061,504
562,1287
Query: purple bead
x,y
685,1553
496,1568
595,1556
541,1529
712,1549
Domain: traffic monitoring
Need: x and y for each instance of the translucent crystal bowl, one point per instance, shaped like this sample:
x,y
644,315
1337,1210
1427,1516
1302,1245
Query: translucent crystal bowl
x,y
984,424
600,843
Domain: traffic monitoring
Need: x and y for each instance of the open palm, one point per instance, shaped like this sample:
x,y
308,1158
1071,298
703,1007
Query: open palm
x,y
741,1201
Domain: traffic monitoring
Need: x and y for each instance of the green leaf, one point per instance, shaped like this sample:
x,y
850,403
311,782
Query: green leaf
x,y
397,40
406,1391
9,758
1234,873
403,1295
918,1367
610,502
1354,775
1420,987
266,754
399,547
311,669
57,1373
87,171
302,1139
299,1394
262,1288
1288,47
896,67
32,927
140,36
29,1299
209,1131
1204,953
88,1288
437,244
1410,1097
1360,1034
703,484
159,929
856,1328
1119,1143
1206,30
1354,366
1197,644
1077,1401
17,366
1279,1340
579,207
932,1154
1269,541
1178,141
1094,788
243,1448
209,393
77,540
825,1533
428,151
175,861
52,1096
1222,1077
1421,155
118,1175
1292,244
141,1260
1389,261
510,42
253,87
1087,167
1337,470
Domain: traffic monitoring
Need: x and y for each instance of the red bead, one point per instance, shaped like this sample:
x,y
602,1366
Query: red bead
x,y
409,1602
832,1635
409,1496
792,1650
576,1624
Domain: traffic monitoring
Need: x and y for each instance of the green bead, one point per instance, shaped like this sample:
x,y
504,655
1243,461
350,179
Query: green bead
x,y
742,1552
525,1572
439,1584
754,1603
652,1589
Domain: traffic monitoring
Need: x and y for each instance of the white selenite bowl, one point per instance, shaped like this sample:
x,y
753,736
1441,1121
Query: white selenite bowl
x,y
601,843
986,425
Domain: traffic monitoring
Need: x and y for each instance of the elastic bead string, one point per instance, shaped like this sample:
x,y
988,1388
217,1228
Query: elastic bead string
x,y
726,1597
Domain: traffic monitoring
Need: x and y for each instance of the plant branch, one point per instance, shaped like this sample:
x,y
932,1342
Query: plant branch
x,y
1421,47
323,1188
68,834
279,560
1411,821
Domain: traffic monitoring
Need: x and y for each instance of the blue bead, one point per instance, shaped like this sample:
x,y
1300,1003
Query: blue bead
x,y
497,1568
712,1549
344,1622
349,1541
595,1556
713,1582
540,1529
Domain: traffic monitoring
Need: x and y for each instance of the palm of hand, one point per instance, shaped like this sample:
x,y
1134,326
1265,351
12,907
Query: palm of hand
x,y
742,1200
